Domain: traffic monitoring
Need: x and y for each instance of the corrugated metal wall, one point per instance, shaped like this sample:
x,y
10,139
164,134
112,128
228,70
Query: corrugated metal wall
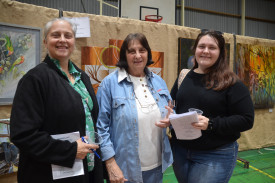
x,y
261,10
196,14
91,6
204,20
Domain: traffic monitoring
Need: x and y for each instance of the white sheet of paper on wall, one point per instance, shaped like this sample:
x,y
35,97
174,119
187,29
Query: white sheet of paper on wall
x,y
83,26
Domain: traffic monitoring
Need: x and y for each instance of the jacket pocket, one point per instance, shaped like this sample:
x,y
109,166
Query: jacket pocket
x,y
118,109
119,126
164,93
164,96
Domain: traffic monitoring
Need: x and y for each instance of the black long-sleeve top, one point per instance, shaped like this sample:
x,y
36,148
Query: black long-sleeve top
x,y
231,110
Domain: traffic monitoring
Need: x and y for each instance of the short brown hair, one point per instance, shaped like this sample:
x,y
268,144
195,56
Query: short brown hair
x,y
122,63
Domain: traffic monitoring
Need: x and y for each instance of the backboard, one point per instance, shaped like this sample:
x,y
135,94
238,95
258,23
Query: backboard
x,y
138,9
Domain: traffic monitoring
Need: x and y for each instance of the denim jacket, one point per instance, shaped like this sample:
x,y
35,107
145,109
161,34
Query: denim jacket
x,y
118,121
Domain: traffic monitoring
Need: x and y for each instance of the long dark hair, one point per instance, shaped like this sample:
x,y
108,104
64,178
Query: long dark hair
x,y
218,76
122,63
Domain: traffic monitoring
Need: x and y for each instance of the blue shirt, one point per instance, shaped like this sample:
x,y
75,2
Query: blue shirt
x,y
118,121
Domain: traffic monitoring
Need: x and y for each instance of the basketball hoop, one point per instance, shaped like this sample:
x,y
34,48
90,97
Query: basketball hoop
x,y
153,18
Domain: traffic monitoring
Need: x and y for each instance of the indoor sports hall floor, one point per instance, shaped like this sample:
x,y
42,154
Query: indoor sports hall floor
x,y
261,168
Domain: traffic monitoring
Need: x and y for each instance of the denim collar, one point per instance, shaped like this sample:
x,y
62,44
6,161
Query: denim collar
x,y
122,74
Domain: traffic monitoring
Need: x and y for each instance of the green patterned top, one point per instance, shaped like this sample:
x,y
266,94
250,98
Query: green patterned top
x,y
86,100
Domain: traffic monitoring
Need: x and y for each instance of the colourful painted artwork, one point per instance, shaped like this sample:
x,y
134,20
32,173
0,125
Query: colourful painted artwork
x,y
19,52
255,65
98,62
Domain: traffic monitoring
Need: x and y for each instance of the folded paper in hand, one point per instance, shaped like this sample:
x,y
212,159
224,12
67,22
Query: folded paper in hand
x,y
182,124
60,172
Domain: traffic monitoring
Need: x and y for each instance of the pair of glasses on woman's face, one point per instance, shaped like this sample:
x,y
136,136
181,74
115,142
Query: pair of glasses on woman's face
x,y
208,30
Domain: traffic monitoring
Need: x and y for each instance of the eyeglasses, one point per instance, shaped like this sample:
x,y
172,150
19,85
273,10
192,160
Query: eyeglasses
x,y
209,30
147,108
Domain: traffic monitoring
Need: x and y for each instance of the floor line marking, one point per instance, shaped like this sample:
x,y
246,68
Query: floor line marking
x,y
259,170
253,155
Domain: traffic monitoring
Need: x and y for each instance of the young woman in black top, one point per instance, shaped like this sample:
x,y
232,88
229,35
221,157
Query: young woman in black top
x,y
227,110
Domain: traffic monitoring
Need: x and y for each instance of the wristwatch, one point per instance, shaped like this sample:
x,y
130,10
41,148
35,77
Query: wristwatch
x,y
210,125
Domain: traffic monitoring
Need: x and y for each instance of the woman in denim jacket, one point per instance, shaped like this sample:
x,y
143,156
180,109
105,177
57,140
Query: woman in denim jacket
x,y
135,146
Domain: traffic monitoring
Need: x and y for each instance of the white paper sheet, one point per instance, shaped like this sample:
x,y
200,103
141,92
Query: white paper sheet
x,y
83,26
182,124
60,172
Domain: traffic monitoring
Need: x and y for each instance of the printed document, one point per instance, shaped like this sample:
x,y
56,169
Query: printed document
x,y
83,26
182,124
60,172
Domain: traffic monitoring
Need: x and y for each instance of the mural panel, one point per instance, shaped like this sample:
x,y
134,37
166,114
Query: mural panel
x,y
19,52
255,65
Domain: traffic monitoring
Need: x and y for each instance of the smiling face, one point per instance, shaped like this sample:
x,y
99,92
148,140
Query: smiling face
x,y
207,52
60,40
137,57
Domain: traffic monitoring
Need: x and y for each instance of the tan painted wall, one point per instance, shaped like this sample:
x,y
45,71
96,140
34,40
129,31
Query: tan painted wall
x,y
161,37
